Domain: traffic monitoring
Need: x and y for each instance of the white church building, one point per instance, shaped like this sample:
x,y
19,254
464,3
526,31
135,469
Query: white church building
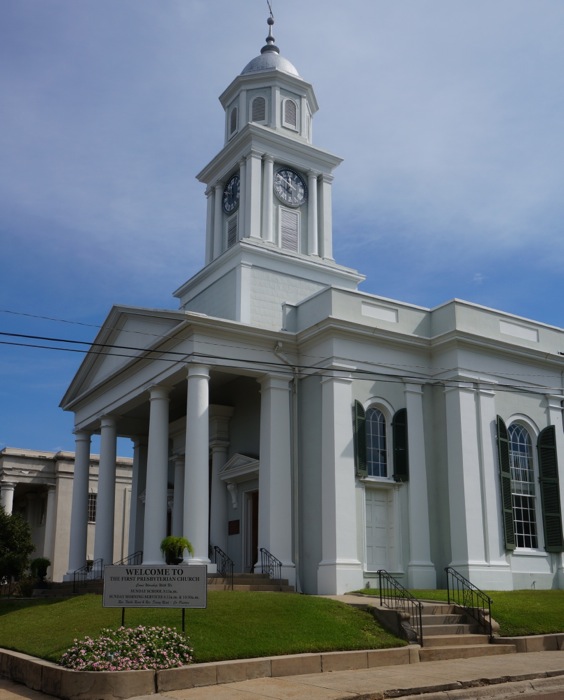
x,y
280,408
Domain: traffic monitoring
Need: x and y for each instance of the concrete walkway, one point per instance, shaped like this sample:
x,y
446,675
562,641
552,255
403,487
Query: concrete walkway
x,y
438,680
523,675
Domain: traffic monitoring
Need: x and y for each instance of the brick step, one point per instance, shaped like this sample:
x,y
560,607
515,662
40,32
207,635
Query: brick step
x,y
454,640
454,630
464,652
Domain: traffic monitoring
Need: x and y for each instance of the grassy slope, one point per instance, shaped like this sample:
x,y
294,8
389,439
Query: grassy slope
x,y
234,625
517,612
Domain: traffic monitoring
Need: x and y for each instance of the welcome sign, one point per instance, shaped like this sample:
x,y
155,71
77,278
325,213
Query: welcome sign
x,y
155,586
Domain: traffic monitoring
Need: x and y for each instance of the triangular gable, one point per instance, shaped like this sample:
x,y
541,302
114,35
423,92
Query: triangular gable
x,y
127,334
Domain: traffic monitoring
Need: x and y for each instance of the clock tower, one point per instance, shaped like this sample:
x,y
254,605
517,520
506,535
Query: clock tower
x,y
269,215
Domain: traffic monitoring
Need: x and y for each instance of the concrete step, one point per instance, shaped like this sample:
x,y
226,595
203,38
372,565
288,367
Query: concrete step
x,y
272,588
454,640
465,652
443,619
432,608
458,629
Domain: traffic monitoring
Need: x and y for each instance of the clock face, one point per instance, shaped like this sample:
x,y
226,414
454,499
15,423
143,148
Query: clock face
x,y
231,194
290,187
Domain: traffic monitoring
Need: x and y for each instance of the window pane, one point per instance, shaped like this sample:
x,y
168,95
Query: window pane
x,y
522,486
376,450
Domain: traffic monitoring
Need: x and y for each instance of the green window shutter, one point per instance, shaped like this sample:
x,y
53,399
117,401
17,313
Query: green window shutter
x,y
550,490
359,428
401,452
505,478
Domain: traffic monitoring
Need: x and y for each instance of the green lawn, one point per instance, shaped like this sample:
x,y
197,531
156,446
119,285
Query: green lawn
x,y
517,612
234,625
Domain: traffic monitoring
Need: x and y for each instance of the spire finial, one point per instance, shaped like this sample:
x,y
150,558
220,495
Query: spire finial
x,y
270,45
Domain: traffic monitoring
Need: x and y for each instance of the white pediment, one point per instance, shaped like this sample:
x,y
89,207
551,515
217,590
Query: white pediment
x,y
239,468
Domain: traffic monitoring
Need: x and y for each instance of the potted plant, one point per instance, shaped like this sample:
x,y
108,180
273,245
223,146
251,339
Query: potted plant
x,y
173,548
39,568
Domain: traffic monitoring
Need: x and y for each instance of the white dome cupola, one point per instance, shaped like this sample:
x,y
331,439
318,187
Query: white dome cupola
x,y
269,91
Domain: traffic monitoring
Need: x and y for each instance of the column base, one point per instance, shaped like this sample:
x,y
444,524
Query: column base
x,y
338,577
421,575
492,577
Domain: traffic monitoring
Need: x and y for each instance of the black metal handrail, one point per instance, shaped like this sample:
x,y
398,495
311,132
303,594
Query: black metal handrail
x,y
131,559
225,564
462,592
91,571
270,565
394,595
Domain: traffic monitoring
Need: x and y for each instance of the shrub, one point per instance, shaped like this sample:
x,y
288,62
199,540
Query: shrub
x,y
129,649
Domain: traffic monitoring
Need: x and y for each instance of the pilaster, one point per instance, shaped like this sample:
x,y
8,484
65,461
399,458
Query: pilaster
x,y
340,569
312,222
421,571
275,474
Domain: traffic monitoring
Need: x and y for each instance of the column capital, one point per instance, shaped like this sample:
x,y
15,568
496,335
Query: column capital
x,y
275,381
158,391
197,370
268,158
108,421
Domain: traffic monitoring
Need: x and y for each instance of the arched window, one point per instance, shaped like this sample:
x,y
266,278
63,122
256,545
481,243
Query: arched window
x,y
233,121
376,447
522,486
258,110
290,114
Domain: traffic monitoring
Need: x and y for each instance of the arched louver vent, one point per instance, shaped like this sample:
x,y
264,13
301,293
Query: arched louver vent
x,y
233,121
259,109
290,114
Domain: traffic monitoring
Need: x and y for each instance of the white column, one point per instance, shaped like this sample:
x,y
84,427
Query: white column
x,y
7,496
156,492
217,221
79,507
253,195
464,482
554,404
340,569
138,476
420,570
196,484
243,203
267,200
312,219
105,503
325,218
275,473
219,443
211,251
177,525
50,519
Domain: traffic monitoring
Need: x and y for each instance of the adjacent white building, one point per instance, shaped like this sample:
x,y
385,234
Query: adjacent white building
x,y
280,408
38,486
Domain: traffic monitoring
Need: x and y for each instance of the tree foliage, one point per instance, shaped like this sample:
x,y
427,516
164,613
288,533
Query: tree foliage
x,y
15,545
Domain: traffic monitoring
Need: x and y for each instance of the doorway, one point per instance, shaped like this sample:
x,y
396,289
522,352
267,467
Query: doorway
x,y
251,531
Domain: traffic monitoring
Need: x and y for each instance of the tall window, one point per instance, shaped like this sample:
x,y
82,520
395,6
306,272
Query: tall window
x,y
92,497
522,486
376,450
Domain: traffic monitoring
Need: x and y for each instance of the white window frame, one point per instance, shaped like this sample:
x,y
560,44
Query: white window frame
x,y
287,124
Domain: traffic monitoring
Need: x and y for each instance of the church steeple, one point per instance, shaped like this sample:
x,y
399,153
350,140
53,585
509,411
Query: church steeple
x,y
269,195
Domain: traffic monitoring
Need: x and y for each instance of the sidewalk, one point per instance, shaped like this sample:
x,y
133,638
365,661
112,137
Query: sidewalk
x,y
523,675
463,679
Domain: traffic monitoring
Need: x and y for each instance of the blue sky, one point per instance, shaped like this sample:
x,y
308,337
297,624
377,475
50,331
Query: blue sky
x,y
448,113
